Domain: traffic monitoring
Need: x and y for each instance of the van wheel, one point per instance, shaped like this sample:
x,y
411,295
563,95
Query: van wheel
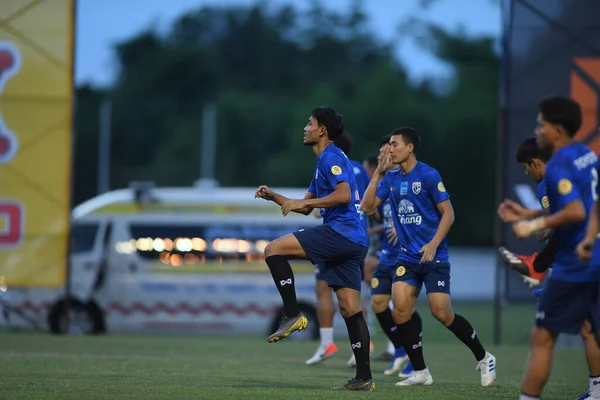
x,y
311,333
85,319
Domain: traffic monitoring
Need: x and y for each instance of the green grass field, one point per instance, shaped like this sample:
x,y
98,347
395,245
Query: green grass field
x,y
37,366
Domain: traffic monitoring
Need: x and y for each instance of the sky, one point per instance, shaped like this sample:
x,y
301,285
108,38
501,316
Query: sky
x,y
103,23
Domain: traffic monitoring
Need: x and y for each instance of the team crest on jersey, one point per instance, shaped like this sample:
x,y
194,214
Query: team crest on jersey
x,y
564,186
416,187
336,170
400,271
374,283
545,202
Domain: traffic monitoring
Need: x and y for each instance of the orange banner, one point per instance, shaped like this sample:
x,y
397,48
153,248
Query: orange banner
x,y
36,89
585,89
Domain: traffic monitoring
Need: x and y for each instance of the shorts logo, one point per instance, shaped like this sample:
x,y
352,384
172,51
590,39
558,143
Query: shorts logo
x,y
336,170
285,282
564,186
374,283
416,187
400,271
545,202
441,283
441,187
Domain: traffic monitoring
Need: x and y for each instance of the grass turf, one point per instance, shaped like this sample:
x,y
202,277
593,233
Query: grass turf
x,y
38,366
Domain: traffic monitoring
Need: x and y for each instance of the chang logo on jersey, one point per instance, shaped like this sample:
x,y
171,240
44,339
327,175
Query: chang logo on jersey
x,y
407,214
10,63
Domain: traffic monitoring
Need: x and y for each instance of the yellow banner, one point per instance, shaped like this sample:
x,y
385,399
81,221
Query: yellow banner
x,y
36,87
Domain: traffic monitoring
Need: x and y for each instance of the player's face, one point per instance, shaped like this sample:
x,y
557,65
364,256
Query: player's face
x,y
545,132
536,169
312,132
399,151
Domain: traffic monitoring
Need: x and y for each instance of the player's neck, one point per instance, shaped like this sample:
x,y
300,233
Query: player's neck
x,y
408,165
559,144
320,146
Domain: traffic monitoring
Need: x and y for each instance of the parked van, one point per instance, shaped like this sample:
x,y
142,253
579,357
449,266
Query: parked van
x,y
182,259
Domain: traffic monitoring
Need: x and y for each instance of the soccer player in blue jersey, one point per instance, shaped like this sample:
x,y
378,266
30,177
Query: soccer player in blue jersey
x,y
339,244
570,293
423,216
325,304
533,268
383,278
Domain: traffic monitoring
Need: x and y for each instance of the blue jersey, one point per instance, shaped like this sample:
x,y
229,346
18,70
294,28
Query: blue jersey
x,y
333,167
570,177
414,198
542,194
389,251
362,182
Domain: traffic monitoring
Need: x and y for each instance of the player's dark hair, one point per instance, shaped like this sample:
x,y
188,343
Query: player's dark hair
x,y
344,142
372,161
385,140
409,136
529,150
563,111
331,120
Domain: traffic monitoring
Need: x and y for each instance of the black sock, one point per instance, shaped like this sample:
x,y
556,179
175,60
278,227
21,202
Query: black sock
x,y
411,341
387,323
284,280
545,258
418,322
360,342
463,330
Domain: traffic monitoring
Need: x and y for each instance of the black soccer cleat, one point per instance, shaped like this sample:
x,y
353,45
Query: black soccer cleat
x,y
360,385
287,326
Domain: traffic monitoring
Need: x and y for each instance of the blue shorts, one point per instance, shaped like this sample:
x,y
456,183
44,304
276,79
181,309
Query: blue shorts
x,y
339,260
383,277
435,276
564,306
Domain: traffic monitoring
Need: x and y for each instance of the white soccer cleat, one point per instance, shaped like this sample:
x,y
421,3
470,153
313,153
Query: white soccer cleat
x,y
396,365
588,396
487,368
417,378
323,354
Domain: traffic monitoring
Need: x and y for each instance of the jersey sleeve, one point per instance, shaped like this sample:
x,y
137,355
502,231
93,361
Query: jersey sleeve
x,y
333,170
383,189
559,183
595,174
435,187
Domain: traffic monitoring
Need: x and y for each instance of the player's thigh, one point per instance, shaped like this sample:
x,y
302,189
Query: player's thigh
x,y
565,306
437,284
287,245
405,291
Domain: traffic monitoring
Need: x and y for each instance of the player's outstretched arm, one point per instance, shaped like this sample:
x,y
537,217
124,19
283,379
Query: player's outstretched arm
x,y
340,195
572,213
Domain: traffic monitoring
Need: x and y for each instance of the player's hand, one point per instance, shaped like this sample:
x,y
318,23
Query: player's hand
x,y
264,192
292,205
428,252
392,236
385,161
510,211
584,250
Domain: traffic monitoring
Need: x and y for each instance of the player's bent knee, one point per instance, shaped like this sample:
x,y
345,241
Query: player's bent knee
x,y
287,245
379,303
542,338
401,315
443,315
